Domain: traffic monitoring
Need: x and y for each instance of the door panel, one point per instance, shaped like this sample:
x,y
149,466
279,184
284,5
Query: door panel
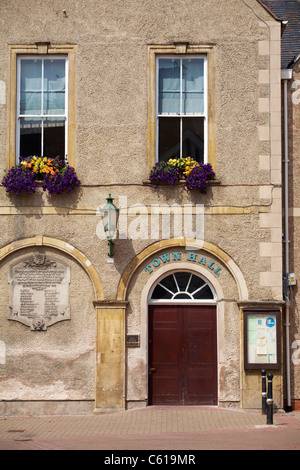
x,y
183,354
164,339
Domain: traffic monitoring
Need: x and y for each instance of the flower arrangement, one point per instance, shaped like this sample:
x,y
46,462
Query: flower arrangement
x,y
18,180
162,173
64,181
40,165
199,177
196,175
57,176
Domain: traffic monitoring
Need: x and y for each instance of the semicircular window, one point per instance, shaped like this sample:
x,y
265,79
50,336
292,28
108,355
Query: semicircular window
x,y
182,286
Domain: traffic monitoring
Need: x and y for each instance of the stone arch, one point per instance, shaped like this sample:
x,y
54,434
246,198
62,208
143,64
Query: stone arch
x,y
191,244
60,245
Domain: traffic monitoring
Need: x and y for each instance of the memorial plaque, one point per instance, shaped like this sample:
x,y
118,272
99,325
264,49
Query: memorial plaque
x,y
39,292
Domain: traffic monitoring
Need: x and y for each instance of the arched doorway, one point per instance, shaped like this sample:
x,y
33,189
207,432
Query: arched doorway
x,y
182,334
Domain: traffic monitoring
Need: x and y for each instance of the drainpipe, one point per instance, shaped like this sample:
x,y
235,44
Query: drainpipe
x,y
285,76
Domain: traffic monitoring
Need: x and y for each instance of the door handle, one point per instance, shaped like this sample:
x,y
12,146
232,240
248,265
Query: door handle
x,y
152,369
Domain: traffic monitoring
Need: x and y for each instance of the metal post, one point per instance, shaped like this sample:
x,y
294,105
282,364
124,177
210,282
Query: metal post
x,y
270,400
264,392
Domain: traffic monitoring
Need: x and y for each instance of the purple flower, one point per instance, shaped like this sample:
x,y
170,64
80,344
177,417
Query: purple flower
x,y
18,180
200,177
64,181
162,172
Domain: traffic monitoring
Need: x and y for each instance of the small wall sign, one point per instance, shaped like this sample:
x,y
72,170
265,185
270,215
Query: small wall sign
x,y
177,256
133,341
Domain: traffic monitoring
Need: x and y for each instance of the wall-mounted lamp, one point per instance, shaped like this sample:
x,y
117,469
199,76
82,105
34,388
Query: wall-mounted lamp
x,y
109,216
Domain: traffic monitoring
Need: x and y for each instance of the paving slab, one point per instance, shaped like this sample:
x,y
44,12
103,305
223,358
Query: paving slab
x,y
153,428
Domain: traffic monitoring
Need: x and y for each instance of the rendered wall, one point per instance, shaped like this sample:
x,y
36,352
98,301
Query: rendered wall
x,y
293,97
242,213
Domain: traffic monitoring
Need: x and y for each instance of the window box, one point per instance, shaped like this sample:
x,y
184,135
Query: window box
x,y
53,174
212,182
194,175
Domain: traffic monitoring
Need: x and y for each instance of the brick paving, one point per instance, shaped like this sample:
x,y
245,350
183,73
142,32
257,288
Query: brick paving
x,y
168,428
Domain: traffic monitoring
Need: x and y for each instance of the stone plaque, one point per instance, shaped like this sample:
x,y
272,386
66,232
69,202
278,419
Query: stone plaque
x,y
39,292
133,341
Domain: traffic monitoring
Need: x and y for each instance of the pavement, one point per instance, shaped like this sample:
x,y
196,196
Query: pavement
x,y
161,429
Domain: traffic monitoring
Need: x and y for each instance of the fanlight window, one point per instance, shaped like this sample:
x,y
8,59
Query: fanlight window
x,y
182,286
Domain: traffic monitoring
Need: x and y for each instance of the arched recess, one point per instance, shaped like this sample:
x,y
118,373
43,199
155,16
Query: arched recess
x,y
198,270
61,246
191,244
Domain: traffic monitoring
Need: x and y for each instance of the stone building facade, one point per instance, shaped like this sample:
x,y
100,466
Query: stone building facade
x,y
292,129
289,12
190,308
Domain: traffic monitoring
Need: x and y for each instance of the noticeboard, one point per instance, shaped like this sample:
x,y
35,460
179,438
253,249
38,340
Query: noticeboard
x,y
262,339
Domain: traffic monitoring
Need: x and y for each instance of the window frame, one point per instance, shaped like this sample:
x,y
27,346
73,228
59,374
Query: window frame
x,y
191,301
181,115
182,50
39,50
42,116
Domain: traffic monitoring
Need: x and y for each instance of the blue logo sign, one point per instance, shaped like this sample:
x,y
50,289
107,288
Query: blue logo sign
x,y
270,322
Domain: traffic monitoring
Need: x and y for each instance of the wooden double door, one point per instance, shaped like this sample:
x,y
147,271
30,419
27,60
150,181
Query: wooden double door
x,y
183,355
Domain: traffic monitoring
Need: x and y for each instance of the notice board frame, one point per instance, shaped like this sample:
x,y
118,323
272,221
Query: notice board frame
x,y
263,312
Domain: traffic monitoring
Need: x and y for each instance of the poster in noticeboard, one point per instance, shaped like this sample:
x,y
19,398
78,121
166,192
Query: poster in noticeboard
x,y
262,340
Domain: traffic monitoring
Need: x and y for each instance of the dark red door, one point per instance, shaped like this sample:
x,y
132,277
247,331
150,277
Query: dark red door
x,y
182,355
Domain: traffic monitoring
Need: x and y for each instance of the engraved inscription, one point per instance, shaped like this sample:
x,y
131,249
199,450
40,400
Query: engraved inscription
x,y
133,341
39,294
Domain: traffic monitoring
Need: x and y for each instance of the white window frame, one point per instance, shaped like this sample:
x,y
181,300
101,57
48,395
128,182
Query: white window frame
x,y
182,115
42,116
182,301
